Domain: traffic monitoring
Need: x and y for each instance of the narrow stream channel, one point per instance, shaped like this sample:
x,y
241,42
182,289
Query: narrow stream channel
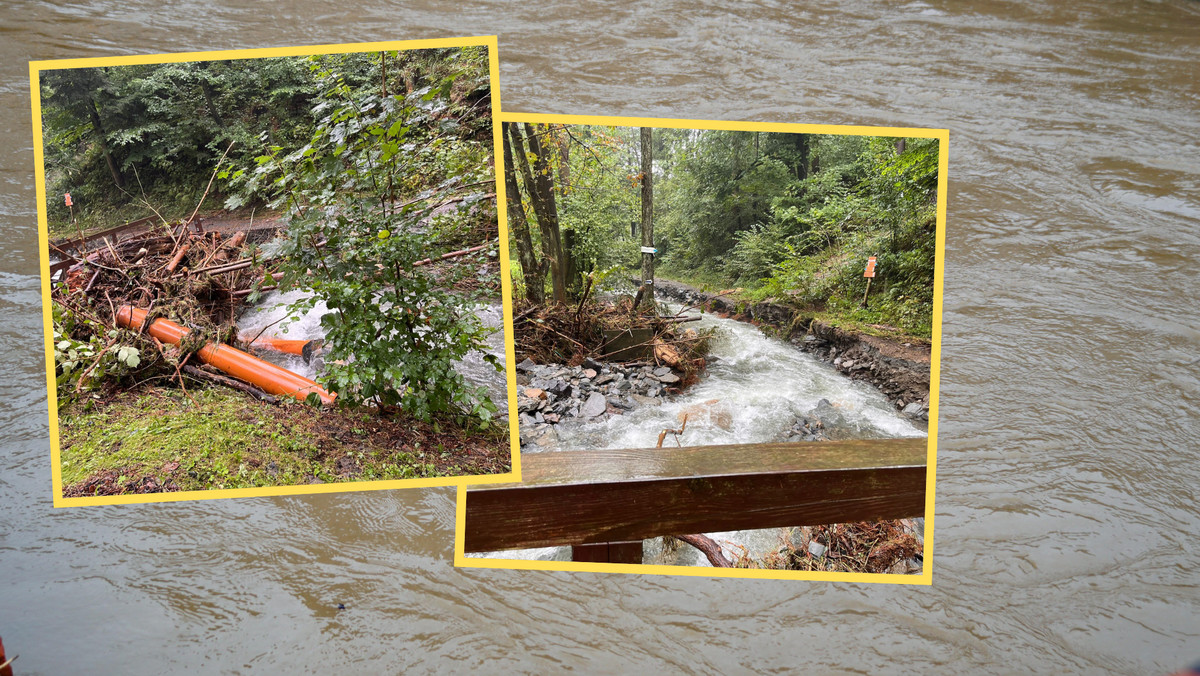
x,y
754,393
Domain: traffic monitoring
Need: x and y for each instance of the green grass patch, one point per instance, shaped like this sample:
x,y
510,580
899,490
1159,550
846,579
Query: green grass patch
x,y
219,439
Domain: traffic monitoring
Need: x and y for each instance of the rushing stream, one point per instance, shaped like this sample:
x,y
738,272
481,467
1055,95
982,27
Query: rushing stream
x,y
753,393
1067,529
270,319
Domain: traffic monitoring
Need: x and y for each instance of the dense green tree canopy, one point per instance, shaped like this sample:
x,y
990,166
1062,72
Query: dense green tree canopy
x,y
115,136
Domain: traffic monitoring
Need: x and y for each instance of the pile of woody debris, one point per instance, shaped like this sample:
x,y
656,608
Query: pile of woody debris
x,y
200,274
607,331
196,276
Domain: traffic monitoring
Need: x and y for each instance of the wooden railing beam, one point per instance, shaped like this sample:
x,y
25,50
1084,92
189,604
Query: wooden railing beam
x,y
589,497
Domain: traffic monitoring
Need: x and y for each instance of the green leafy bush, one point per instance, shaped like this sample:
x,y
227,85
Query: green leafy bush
x,y
360,193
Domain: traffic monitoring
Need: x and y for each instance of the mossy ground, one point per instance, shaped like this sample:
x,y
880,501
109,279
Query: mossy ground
x,y
152,438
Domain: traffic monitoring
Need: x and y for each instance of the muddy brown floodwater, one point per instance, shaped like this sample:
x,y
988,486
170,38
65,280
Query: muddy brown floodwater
x,y
1067,523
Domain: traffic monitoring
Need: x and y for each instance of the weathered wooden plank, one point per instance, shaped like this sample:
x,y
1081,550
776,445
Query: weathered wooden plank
x,y
586,497
608,552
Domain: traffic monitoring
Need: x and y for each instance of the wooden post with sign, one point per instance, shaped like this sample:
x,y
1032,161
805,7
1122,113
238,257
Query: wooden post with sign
x,y
869,274
646,290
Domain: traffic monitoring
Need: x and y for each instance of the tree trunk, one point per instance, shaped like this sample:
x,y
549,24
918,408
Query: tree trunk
x,y
572,266
94,113
647,216
802,152
563,145
531,269
209,101
540,186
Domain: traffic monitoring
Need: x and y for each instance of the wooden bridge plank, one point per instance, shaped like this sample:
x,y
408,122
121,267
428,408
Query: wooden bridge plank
x,y
587,497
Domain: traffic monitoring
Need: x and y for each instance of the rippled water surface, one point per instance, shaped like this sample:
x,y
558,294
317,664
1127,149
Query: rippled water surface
x,y
1069,439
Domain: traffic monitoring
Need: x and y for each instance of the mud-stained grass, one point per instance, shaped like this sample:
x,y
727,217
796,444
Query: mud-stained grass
x,y
153,439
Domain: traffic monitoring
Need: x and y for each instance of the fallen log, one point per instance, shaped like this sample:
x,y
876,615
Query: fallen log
x,y
271,378
231,383
226,267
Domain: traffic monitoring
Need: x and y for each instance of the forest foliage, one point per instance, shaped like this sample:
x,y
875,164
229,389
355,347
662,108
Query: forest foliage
x,y
116,137
788,217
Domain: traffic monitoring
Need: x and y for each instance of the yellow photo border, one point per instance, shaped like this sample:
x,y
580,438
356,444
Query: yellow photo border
x,y
926,576
35,68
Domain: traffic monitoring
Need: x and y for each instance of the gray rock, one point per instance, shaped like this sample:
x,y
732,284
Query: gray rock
x,y
816,549
548,437
913,410
669,379
594,406
526,365
619,403
606,378
640,399
662,371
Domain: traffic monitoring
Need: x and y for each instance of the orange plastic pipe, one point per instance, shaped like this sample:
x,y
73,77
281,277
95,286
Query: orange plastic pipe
x,y
267,376
281,344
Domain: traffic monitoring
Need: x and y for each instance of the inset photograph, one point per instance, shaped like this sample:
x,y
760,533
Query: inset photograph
x,y
726,343
273,271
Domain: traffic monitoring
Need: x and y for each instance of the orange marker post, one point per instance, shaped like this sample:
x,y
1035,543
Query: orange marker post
x,y
869,273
